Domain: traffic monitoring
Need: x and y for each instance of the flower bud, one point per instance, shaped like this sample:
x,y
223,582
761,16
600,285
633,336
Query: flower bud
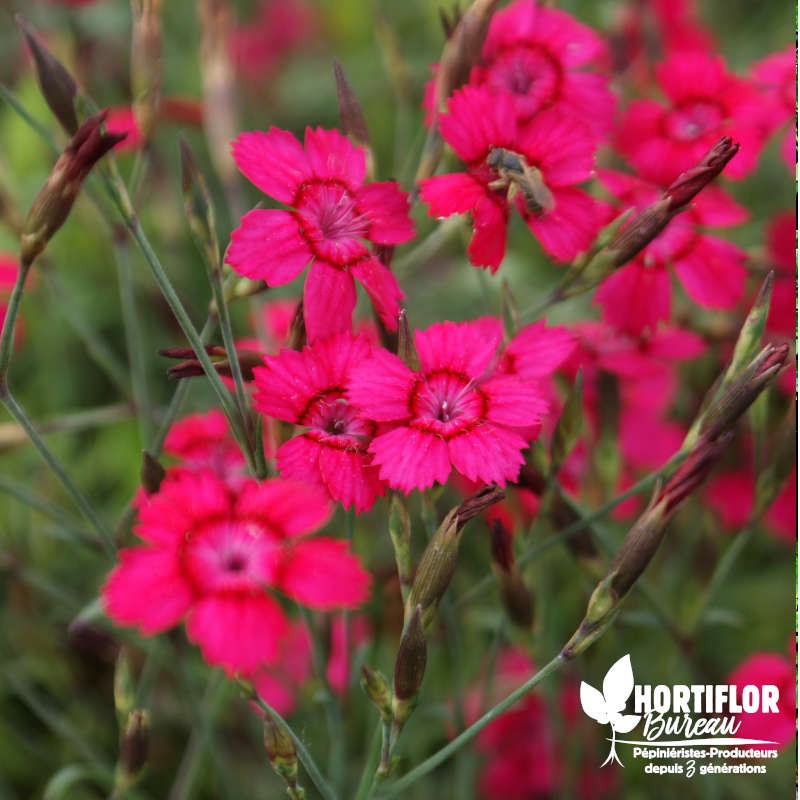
x,y
752,330
376,687
400,533
282,753
123,686
409,668
684,188
190,367
352,117
52,205
152,473
134,744
516,598
146,63
58,86
406,351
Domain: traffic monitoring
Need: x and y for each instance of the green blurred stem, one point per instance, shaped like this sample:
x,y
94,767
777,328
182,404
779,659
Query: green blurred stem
x,y
303,754
333,713
199,739
10,323
95,345
371,763
134,341
38,503
466,736
19,109
428,247
105,535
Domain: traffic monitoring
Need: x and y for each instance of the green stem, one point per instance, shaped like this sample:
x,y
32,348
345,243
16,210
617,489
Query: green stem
x,y
333,714
466,736
370,765
134,340
302,751
80,500
10,323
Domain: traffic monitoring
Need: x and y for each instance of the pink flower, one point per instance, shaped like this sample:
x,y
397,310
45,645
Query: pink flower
x,y
122,120
560,150
762,669
309,389
538,56
703,102
776,76
455,412
637,296
209,556
781,236
204,442
9,267
344,649
257,47
333,214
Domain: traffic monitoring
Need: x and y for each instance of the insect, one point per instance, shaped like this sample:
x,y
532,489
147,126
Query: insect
x,y
516,176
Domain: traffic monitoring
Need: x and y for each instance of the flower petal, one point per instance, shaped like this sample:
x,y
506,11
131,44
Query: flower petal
x,y
329,298
382,288
488,453
385,205
334,157
411,459
289,508
268,246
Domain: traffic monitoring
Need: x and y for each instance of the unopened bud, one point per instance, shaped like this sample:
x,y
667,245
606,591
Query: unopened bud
x,y
376,687
296,338
409,667
191,367
406,350
752,330
58,86
516,598
352,117
152,473
684,188
400,533
438,561
146,63
52,205
124,693
462,50
134,744
282,753
502,554
197,205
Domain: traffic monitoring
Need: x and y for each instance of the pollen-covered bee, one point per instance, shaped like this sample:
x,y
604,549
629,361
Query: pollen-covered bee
x,y
516,176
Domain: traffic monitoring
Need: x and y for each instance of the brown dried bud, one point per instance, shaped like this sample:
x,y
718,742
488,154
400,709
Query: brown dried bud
x,y
351,114
406,350
684,188
463,49
502,554
191,367
52,205
133,746
152,473
58,86
412,656
517,600
296,338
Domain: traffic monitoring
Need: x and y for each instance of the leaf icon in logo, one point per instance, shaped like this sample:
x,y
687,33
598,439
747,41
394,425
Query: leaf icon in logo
x,y
605,708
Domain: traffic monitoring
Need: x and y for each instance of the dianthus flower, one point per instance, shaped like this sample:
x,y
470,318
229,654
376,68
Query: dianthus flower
x,y
703,103
280,683
456,412
333,214
782,254
481,126
774,669
776,76
309,389
204,442
122,120
8,277
637,296
210,554
538,56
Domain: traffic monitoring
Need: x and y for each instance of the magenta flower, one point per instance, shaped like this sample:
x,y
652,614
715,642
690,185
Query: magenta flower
x,y
204,442
333,215
280,683
764,669
538,57
781,236
309,389
776,76
209,556
455,412
637,296
703,103
562,151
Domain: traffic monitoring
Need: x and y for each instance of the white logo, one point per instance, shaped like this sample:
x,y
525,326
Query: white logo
x,y
606,708
700,720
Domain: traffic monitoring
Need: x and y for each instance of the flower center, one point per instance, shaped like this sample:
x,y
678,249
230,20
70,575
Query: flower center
x,y
331,222
333,420
446,403
694,119
529,72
